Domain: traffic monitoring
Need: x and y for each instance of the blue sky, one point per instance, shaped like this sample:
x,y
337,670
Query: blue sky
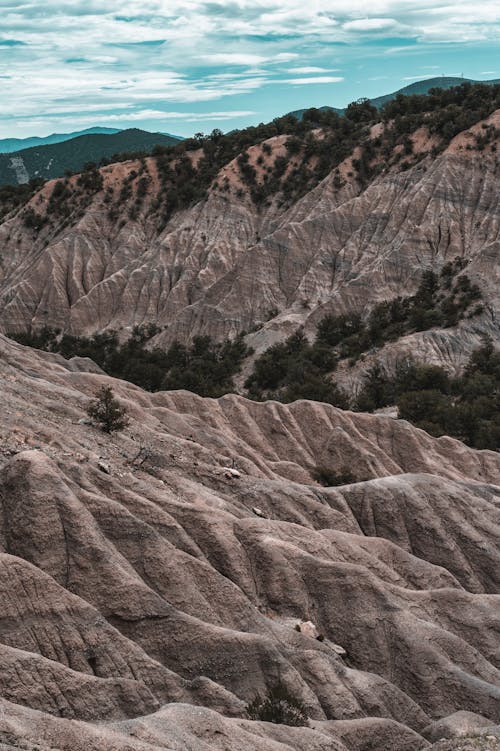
x,y
193,65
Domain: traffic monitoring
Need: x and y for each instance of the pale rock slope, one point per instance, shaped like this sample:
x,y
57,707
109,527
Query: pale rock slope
x,y
151,580
223,266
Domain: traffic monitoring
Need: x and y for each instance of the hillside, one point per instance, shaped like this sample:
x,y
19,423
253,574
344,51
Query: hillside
x,y
270,229
8,145
54,160
155,581
418,87
253,561
423,87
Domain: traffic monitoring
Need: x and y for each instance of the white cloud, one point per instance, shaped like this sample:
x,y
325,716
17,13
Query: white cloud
x,y
316,79
234,58
370,24
309,70
103,55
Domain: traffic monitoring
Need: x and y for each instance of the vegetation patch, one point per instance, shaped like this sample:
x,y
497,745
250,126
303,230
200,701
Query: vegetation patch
x,y
330,477
204,367
107,412
14,196
467,407
297,369
441,300
278,706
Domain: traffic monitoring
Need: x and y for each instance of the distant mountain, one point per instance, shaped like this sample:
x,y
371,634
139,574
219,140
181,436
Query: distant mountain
x,y
54,160
419,87
8,145
300,113
423,87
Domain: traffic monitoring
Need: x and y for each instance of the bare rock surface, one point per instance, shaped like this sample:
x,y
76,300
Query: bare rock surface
x,y
457,725
223,266
145,602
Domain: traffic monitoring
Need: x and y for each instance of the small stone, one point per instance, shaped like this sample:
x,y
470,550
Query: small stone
x,y
339,650
258,512
309,629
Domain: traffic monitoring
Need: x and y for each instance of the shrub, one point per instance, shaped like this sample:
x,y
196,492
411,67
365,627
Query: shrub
x,y
467,407
205,367
107,411
278,706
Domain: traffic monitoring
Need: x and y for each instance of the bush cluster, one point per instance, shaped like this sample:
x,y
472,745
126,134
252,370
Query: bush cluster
x,y
329,477
297,369
467,407
204,367
441,300
14,196
66,200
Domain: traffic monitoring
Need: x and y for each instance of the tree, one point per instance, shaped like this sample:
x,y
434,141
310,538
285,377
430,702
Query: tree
x,y
279,706
107,411
376,392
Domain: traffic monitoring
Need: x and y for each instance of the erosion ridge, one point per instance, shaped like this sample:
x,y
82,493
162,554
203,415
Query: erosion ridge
x,y
100,260
150,592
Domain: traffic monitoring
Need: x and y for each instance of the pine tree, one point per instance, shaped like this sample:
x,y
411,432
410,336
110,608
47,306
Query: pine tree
x,y
107,412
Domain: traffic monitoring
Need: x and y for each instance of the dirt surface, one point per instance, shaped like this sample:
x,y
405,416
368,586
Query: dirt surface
x,y
151,580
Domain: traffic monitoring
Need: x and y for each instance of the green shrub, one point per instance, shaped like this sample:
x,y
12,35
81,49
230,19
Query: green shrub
x,y
467,407
107,411
205,367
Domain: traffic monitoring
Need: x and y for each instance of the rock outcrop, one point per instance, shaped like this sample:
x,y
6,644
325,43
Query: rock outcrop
x,y
145,602
224,266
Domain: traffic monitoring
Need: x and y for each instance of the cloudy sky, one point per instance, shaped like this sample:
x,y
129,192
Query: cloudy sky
x,y
182,66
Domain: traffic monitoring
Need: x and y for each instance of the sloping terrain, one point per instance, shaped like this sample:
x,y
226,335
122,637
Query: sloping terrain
x,y
8,145
101,261
152,580
418,87
46,161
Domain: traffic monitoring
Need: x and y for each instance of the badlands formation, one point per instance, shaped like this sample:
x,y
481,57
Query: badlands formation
x,y
156,580
152,580
224,265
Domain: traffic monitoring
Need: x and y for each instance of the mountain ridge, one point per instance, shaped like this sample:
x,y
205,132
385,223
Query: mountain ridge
x,y
8,145
53,160
418,87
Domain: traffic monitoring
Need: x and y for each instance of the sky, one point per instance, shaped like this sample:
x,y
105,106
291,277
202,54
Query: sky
x,y
193,65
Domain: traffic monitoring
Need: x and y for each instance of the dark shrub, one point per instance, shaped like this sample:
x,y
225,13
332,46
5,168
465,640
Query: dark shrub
x,y
107,411
278,706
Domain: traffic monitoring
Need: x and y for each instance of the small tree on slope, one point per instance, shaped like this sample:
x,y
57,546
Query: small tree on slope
x,y
107,411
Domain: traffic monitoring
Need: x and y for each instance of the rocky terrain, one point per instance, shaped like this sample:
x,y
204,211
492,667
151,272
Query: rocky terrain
x,y
152,580
158,580
225,266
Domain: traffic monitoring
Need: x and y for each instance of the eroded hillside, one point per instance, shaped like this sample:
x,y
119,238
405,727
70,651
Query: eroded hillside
x,y
153,579
218,240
